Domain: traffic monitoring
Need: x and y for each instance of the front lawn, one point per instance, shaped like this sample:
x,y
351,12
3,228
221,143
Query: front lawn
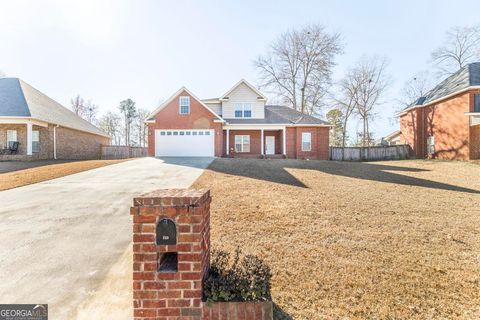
x,y
378,240
24,173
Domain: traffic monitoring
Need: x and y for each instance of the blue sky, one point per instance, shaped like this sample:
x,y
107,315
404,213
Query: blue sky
x,y
110,50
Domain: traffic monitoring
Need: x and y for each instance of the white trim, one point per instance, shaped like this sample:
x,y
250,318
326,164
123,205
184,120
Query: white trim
x,y
172,97
29,138
242,143
270,126
228,142
55,142
403,112
262,146
222,97
309,141
22,120
284,141
472,114
253,127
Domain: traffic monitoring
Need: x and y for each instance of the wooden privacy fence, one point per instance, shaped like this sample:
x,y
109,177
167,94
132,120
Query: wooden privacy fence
x,y
122,152
397,152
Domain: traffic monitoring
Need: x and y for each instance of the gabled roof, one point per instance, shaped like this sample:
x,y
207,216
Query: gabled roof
x,y
152,115
243,81
19,99
464,78
275,114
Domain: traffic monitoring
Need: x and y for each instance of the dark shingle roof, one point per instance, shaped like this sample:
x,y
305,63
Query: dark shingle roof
x,y
19,99
281,115
467,76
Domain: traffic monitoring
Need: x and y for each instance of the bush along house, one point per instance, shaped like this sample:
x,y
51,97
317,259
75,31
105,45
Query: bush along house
x,y
174,276
35,127
445,123
237,124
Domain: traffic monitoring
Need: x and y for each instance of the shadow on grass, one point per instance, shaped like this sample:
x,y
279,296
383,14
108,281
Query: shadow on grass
x,y
13,165
280,314
277,171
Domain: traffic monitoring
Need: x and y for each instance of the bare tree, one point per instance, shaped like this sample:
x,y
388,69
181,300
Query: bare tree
x,y
370,80
298,66
346,101
111,124
415,88
127,107
90,112
77,105
140,127
461,46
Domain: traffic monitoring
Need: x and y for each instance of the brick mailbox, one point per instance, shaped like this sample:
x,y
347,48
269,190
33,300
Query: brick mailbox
x,y
171,258
171,252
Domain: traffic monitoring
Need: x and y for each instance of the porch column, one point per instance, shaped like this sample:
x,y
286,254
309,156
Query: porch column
x,y
29,138
227,145
284,141
262,149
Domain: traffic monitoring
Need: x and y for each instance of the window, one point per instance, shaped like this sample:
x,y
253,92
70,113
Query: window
x,y
184,103
306,141
11,137
431,145
242,143
35,141
476,104
162,133
243,110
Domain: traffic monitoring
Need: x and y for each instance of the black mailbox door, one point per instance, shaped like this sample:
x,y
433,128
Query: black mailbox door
x,y
166,232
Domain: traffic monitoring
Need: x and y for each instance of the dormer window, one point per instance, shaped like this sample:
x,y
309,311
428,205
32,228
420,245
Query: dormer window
x,y
184,105
243,110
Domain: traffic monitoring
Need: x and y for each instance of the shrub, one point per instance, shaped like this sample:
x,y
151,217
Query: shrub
x,y
237,278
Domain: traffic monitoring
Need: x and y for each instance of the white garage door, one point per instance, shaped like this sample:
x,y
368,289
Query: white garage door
x,y
184,143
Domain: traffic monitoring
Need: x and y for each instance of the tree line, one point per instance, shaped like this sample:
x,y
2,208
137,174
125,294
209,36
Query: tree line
x,y
297,69
125,127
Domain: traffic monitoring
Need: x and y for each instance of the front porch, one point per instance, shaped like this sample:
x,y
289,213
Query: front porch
x,y
24,140
251,142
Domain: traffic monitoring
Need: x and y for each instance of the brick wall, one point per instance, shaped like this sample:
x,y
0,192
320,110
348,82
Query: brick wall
x,y
475,142
320,143
238,310
78,145
157,295
198,118
446,121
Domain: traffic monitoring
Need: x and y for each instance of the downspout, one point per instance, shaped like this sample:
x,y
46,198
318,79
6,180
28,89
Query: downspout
x,y
55,142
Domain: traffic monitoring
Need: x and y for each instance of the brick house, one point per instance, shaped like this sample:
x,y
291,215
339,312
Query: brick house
x,y
237,124
42,128
445,123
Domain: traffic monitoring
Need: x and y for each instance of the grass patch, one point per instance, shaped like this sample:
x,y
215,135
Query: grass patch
x,y
48,171
380,240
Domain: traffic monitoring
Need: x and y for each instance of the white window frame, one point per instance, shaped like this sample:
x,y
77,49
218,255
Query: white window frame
x,y
35,139
243,141
10,138
306,140
184,101
242,107
431,144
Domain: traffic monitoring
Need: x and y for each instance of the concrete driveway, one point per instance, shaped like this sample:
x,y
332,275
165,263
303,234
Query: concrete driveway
x,y
67,242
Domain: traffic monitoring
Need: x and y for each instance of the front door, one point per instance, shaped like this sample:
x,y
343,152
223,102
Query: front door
x,y
270,145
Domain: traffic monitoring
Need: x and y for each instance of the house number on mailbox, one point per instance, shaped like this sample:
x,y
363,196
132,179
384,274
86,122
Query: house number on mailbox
x,y
166,232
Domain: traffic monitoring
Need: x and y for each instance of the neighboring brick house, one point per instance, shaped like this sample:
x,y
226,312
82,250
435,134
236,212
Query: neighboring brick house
x,y
42,128
445,123
237,124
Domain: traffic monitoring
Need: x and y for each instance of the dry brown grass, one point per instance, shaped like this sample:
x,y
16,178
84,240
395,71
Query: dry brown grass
x,y
48,171
382,240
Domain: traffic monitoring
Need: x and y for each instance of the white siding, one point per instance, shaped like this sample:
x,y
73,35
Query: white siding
x,y
216,107
243,94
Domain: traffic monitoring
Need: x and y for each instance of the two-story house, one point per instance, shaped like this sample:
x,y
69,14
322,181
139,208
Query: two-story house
x,y
445,123
237,124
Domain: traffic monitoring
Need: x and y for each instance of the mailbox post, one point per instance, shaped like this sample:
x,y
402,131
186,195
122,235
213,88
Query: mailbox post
x,y
171,252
